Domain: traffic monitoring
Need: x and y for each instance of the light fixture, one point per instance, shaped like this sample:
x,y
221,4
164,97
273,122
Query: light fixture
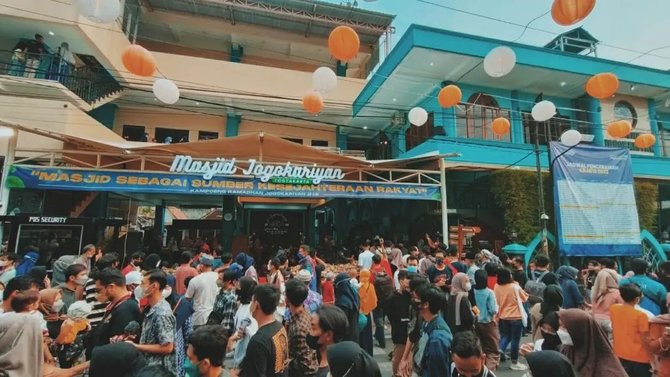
x,y
197,103
394,99
632,88
365,127
51,33
563,83
432,64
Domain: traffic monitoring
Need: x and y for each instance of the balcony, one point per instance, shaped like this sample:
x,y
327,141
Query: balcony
x,y
90,82
629,143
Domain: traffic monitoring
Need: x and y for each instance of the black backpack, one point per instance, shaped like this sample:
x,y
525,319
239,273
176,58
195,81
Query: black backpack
x,y
383,287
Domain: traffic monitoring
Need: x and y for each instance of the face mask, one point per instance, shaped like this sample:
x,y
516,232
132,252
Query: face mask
x,y
166,292
440,262
551,341
57,306
413,269
468,287
82,280
313,342
139,292
565,337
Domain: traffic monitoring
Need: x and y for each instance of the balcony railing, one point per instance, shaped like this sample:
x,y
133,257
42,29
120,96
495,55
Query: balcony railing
x,y
89,83
629,143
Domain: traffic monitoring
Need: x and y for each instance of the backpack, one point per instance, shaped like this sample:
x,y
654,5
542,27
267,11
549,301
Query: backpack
x,y
383,287
59,267
535,289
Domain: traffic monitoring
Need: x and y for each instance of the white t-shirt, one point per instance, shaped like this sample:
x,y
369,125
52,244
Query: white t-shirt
x,y
365,259
202,291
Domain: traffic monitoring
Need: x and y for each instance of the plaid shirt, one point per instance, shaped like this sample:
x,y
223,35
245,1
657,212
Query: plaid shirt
x,y
159,327
303,359
312,303
225,307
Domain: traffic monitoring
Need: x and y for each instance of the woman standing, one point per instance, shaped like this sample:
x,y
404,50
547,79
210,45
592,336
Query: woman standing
x,y
572,297
510,298
329,326
347,299
605,293
244,323
247,264
51,303
458,313
486,328
586,345
552,300
368,299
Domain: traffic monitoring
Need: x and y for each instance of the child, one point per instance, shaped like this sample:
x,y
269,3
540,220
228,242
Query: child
x,y
630,327
72,334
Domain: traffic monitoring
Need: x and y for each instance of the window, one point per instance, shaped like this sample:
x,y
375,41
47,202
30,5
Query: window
x,y
133,133
294,140
171,135
623,110
475,121
319,143
416,135
207,135
665,138
550,130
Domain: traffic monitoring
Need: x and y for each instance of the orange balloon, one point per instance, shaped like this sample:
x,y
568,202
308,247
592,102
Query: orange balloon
x,y
569,12
619,129
500,126
645,141
449,96
138,60
344,43
602,85
312,102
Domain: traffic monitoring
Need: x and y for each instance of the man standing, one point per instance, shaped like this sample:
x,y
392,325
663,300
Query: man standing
x,y
202,291
470,261
76,276
184,271
653,292
435,361
303,358
122,308
87,253
159,325
7,268
630,332
519,272
469,359
307,263
225,304
365,257
135,262
207,350
398,310
267,352
439,269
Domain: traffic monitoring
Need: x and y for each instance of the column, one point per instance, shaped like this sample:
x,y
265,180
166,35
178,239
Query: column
x,y
229,223
233,124
341,69
398,142
449,122
653,124
516,119
105,114
236,53
159,222
596,120
340,139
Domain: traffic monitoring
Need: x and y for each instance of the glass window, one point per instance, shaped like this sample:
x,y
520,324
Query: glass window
x,y
319,143
207,135
133,133
623,110
474,119
171,135
294,140
550,130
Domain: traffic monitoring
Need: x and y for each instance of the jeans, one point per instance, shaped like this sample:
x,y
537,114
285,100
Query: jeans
x,y
510,334
378,316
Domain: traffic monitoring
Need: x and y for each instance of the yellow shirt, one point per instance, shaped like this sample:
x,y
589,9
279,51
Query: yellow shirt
x,y
628,324
506,296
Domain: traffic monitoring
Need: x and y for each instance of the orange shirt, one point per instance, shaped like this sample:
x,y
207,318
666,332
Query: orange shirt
x,y
180,275
662,364
628,324
508,306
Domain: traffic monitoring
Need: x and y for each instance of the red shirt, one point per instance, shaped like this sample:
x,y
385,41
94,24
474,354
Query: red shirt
x,y
491,282
128,269
328,292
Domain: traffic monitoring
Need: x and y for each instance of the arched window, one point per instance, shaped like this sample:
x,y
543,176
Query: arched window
x,y
623,110
475,122
415,135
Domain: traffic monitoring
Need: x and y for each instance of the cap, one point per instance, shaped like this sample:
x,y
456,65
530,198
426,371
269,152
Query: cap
x,y
206,259
304,276
133,278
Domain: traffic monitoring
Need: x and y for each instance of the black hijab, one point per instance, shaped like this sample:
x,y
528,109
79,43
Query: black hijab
x,y
345,296
481,279
552,342
550,364
348,358
116,360
553,299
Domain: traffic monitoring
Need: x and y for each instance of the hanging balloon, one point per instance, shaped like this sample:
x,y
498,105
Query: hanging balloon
x,y
138,60
500,126
499,61
166,91
449,96
569,12
324,80
418,116
344,43
312,102
602,85
645,141
619,129
99,11
543,111
571,138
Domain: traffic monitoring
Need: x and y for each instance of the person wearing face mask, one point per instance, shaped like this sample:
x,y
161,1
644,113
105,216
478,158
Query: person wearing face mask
x,y
458,311
207,351
245,324
303,358
51,303
486,328
398,310
159,324
511,314
223,311
586,345
440,269
469,359
411,265
432,355
7,268
72,290
329,325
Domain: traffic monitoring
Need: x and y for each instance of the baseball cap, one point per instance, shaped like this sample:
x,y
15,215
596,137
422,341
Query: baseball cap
x,y
206,259
133,277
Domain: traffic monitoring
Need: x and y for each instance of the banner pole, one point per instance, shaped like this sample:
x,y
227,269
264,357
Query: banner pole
x,y
443,200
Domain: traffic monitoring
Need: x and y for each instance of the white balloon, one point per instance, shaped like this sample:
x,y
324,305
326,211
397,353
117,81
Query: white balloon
x,y
499,61
324,80
571,138
543,111
166,91
418,116
100,11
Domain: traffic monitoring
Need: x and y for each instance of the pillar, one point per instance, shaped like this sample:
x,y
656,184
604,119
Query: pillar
x,y
233,124
596,120
653,124
516,119
448,122
398,142
341,69
159,222
340,139
229,223
236,53
105,114
312,227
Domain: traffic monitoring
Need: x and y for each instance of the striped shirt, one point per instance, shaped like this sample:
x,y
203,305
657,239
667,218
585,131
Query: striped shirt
x,y
92,298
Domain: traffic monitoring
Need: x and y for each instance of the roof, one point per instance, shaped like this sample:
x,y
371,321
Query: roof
x,y
298,16
576,41
579,33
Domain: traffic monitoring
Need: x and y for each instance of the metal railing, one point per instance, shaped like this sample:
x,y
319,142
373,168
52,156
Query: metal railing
x,y
629,143
89,83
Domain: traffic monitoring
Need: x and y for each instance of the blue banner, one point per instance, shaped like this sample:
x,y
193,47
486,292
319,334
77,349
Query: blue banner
x,y
594,199
34,177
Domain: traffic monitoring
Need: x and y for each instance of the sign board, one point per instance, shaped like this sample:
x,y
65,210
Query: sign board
x,y
595,203
47,178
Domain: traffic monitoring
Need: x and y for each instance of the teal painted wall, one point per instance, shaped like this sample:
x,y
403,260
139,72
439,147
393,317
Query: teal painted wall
x,y
233,125
105,114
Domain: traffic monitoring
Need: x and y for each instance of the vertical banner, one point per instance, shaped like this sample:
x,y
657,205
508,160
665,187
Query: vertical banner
x,y
594,198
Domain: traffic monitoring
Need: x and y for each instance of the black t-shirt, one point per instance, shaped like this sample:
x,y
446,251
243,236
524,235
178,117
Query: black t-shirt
x,y
398,310
114,322
520,277
267,353
433,273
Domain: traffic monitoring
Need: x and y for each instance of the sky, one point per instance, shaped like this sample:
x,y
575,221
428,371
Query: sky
x,y
620,25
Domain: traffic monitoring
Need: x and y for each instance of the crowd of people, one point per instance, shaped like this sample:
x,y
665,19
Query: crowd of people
x,y
448,316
